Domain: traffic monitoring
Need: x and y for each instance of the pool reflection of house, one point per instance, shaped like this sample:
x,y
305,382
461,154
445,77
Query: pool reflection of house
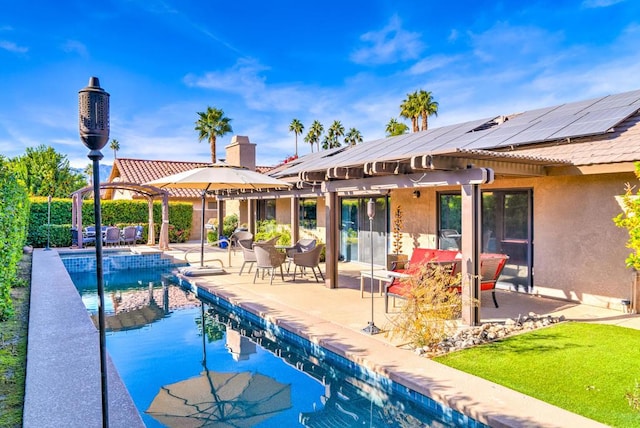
x,y
540,186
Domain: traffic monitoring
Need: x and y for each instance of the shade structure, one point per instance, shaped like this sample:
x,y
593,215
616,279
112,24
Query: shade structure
x,y
220,399
218,177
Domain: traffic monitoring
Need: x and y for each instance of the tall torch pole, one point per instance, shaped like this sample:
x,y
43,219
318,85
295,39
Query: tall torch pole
x,y
93,107
371,212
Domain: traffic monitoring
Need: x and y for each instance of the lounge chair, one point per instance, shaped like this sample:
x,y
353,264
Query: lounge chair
x,y
308,259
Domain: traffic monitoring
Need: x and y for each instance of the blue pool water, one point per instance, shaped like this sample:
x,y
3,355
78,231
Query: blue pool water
x,y
241,370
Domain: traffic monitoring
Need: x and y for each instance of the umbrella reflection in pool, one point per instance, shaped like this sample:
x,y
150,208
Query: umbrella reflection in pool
x,y
220,399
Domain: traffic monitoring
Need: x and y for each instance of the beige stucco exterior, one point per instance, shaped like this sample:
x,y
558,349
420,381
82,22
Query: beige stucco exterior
x,y
578,253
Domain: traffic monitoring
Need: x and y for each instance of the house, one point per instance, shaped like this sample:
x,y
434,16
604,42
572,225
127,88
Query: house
x,y
540,186
240,152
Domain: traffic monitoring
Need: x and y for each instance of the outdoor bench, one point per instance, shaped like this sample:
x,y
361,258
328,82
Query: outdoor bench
x,y
491,266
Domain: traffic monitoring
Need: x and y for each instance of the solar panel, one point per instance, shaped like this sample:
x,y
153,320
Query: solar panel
x,y
573,108
499,135
528,116
595,122
619,100
541,130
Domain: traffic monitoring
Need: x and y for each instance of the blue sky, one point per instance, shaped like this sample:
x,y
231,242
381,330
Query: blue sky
x,y
265,63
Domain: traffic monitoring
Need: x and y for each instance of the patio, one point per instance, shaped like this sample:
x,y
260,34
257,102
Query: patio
x,y
60,342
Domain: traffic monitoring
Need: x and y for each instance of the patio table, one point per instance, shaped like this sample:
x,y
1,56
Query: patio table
x,y
381,275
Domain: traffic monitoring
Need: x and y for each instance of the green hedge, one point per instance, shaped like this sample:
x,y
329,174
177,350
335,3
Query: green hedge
x,y
118,213
14,211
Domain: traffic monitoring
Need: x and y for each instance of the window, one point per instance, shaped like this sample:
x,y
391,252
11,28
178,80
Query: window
x,y
267,209
308,213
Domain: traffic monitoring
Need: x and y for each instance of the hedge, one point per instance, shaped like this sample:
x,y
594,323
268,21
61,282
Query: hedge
x,y
14,211
117,213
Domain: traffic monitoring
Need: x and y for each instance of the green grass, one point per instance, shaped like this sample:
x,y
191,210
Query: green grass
x,y
584,368
13,352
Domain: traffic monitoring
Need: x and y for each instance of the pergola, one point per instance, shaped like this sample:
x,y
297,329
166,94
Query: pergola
x,y
149,192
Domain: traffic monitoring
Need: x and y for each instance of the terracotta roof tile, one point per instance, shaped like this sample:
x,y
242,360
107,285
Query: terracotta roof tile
x,y
142,171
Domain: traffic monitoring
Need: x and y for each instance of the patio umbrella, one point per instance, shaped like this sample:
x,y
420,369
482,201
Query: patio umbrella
x,y
218,177
220,399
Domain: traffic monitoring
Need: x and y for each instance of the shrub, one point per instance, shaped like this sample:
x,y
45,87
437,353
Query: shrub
x,y
630,220
267,229
118,213
431,306
14,210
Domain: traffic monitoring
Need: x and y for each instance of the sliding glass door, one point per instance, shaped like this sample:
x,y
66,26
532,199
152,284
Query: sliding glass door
x,y
507,228
357,232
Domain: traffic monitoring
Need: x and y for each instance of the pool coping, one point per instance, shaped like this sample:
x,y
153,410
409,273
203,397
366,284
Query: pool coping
x,y
63,381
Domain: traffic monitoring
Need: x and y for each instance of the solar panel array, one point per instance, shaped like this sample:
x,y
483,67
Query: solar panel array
x,y
584,118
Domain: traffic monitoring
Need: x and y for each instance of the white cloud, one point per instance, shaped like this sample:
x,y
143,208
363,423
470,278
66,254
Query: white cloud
x,y
12,47
432,63
389,45
600,3
74,46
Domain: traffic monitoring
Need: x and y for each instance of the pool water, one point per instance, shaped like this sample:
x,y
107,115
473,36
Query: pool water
x,y
216,364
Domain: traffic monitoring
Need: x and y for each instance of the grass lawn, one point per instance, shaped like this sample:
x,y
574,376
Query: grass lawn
x,y
584,368
13,351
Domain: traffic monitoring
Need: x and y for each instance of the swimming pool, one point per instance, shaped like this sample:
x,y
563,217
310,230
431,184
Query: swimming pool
x,y
179,345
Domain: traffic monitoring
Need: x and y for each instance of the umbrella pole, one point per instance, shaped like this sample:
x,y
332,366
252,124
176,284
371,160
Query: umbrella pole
x,y
204,192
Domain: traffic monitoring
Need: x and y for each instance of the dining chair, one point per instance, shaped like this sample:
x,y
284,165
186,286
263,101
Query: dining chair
x,y
268,258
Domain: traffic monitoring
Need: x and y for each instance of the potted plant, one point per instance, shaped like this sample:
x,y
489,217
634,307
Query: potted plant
x,y
396,259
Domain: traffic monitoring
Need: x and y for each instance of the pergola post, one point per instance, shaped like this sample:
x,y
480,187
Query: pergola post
x,y
471,229
163,243
331,256
151,236
295,219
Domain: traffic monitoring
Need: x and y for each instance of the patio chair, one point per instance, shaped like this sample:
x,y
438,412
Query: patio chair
x,y
308,259
129,235
240,236
268,258
111,236
249,256
304,244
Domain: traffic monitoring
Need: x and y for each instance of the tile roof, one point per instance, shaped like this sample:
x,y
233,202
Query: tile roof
x,y
143,171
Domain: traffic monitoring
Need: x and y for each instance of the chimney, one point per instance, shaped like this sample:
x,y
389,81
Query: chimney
x,y
241,152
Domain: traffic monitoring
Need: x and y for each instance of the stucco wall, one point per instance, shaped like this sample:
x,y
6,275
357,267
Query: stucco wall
x,y
579,253
419,219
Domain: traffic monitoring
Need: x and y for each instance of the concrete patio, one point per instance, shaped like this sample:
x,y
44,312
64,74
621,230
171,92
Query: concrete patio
x,y
63,387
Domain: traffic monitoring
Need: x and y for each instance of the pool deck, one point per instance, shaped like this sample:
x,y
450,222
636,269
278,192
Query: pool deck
x,y
63,370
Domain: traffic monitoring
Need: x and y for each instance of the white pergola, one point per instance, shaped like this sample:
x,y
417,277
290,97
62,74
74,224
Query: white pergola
x,y
149,192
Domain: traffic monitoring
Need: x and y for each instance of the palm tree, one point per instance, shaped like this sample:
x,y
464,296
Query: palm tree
x,y
395,128
426,106
336,130
353,137
313,136
210,125
296,127
409,110
115,146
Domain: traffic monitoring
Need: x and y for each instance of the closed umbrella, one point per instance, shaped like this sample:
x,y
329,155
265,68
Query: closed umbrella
x,y
217,177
